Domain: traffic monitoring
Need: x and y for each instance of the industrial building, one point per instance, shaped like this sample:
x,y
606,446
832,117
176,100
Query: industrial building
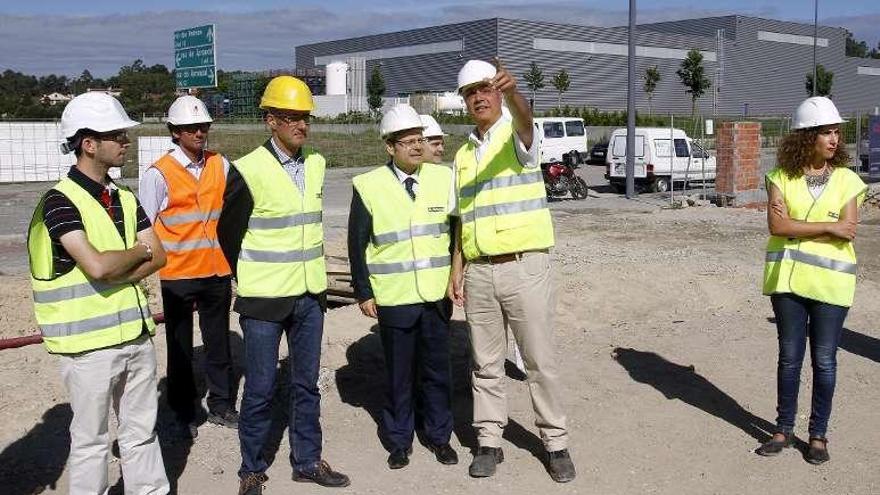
x,y
756,66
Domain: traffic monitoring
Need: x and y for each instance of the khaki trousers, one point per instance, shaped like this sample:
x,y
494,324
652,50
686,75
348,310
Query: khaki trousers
x,y
123,377
520,294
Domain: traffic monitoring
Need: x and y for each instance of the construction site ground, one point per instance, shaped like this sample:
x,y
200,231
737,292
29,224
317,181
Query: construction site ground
x,y
665,345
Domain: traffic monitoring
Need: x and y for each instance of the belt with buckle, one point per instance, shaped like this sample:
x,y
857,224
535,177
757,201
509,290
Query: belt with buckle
x,y
500,258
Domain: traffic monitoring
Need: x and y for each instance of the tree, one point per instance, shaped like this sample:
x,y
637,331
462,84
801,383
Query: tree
x,y
855,48
375,90
651,77
693,77
534,79
824,81
561,81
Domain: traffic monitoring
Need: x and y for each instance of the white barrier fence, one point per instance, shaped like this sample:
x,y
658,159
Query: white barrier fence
x,y
30,152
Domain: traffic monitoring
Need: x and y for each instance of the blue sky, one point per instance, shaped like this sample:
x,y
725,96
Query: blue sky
x,y
64,37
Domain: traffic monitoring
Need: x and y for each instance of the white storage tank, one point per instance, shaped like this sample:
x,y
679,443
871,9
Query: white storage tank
x,y
450,102
335,78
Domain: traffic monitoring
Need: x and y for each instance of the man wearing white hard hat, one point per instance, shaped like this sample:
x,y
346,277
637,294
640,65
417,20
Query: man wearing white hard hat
x,y
810,265
398,245
434,139
504,237
90,244
182,193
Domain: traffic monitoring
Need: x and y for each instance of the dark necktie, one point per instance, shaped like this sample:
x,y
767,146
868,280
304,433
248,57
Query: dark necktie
x,y
107,201
409,187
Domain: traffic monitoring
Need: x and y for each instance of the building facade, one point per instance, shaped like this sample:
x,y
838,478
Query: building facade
x,y
756,66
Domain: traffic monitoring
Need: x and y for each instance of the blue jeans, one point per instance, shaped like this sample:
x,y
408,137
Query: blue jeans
x,y
304,328
796,318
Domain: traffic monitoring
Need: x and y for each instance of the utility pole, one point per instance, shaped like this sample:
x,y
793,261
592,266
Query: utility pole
x,y
815,40
631,106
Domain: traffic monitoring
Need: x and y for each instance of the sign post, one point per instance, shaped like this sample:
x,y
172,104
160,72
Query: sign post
x,y
874,146
195,57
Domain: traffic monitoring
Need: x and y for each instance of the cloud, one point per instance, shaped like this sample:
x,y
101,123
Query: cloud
x,y
64,44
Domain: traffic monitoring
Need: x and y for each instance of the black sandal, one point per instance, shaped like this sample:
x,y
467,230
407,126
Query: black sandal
x,y
817,455
774,447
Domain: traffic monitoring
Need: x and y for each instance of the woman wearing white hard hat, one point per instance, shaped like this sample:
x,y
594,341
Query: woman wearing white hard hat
x,y
810,268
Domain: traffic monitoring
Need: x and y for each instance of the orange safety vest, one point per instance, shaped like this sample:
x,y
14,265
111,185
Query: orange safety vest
x,y
187,227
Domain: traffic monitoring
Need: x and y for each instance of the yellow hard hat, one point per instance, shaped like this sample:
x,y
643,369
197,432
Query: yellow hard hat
x,y
287,93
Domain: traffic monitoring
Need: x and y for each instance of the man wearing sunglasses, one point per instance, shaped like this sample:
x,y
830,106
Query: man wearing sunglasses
x,y
182,194
89,244
398,248
271,233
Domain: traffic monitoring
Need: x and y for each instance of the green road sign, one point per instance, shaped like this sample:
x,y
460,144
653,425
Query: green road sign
x,y
199,77
195,57
195,36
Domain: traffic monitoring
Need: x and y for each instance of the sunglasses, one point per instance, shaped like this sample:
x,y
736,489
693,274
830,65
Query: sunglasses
x,y
120,137
194,128
292,118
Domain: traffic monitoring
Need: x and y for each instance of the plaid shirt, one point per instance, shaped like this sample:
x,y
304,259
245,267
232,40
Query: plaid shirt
x,y
294,166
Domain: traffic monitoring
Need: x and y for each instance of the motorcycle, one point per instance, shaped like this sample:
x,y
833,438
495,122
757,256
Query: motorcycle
x,y
560,179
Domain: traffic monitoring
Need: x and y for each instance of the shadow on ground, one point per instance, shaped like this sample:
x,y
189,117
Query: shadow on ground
x,y
677,382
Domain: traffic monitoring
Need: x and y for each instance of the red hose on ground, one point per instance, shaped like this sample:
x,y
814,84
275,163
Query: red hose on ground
x,y
17,342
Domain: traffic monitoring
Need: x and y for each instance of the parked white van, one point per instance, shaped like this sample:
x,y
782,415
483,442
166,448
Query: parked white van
x,y
558,136
661,156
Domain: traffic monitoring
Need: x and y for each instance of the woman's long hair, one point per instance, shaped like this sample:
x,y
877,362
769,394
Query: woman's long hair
x,y
799,147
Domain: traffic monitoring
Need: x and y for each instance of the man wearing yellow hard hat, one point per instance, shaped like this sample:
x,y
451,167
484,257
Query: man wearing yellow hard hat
x,y
271,233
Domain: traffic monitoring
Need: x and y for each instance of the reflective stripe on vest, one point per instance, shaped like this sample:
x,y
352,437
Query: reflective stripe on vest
x,y
287,221
820,269
415,231
190,217
187,226
505,209
503,205
408,266
281,256
282,250
408,253
812,259
75,313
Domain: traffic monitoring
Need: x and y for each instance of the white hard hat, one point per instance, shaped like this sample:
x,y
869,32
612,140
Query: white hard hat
x,y
97,111
188,110
432,128
399,118
815,111
475,71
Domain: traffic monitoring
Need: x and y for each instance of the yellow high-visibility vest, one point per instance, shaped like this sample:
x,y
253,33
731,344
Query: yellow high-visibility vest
x,y
820,270
503,205
282,253
408,254
77,313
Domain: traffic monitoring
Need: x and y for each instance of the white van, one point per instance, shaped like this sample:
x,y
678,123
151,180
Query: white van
x,y
558,136
661,156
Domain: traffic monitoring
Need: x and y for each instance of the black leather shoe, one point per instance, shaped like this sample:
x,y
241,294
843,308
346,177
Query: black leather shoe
x,y
818,455
485,461
774,447
560,466
252,484
444,454
323,475
228,418
398,459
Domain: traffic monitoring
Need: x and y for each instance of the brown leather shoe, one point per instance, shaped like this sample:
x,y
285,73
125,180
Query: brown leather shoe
x,y
323,475
252,484
818,455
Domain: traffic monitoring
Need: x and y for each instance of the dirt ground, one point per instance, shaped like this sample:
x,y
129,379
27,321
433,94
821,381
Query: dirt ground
x,y
668,358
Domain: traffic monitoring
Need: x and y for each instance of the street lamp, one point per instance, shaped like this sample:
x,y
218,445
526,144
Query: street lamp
x,y
631,106
815,40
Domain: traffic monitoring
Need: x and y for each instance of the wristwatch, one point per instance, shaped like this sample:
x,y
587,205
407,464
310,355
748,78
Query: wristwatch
x,y
149,250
